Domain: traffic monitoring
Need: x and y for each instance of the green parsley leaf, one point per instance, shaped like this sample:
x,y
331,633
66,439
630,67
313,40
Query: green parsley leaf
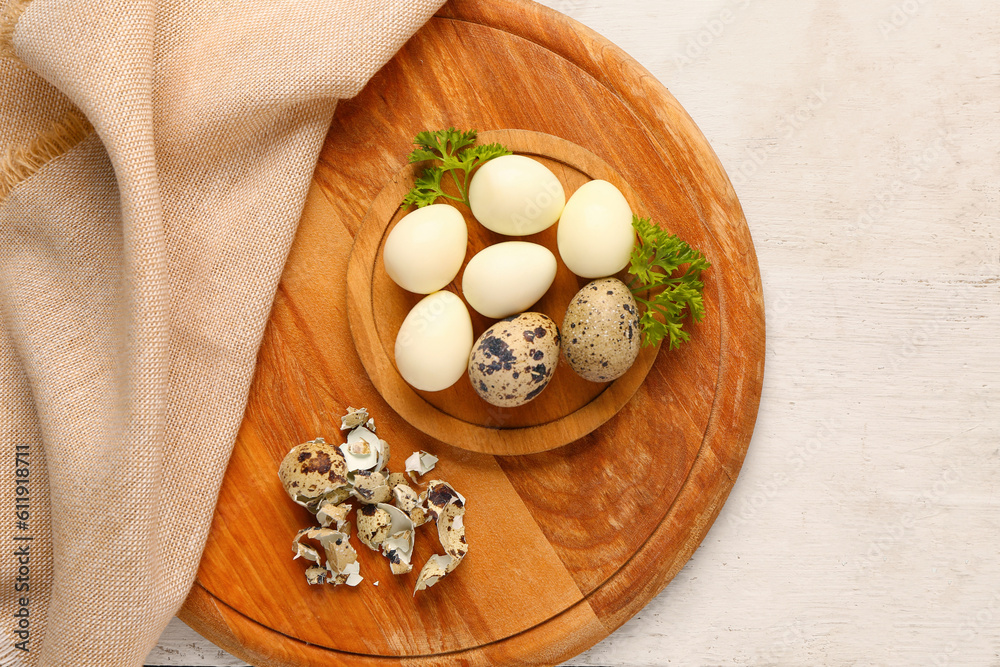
x,y
668,271
426,189
455,151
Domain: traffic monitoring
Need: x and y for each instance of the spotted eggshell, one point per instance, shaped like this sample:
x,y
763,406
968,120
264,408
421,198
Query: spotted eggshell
x,y
513,360
601,336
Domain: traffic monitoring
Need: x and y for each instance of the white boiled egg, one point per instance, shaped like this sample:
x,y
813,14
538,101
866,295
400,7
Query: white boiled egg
x,y
425,250
507,278
434,342
595,234
516,196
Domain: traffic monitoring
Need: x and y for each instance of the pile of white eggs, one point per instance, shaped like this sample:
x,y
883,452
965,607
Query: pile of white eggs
x,y
514,196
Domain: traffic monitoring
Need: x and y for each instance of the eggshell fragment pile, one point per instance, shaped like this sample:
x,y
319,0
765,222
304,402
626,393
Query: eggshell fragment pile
x,y
321,477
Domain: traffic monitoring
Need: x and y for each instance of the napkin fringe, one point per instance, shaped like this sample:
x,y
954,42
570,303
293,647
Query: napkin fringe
x,y
8,21
21,162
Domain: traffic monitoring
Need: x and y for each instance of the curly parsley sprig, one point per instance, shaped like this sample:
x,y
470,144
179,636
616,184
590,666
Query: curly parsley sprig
x,y
455,151
654,265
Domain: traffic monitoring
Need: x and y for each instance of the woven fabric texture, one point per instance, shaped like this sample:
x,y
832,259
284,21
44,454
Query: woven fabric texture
x,y
157,157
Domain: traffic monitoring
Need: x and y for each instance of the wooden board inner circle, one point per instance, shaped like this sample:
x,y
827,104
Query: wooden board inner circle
x,y
569,407
567,544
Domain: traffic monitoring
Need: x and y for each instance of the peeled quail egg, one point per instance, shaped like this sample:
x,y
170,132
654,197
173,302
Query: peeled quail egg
x,y
595,235
508,278
425,250
516,195
512,362
433,343
601,336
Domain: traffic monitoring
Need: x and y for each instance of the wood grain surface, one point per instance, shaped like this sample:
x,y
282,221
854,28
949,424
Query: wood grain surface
x,y
567,544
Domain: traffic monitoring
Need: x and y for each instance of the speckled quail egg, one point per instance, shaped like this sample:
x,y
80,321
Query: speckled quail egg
x,y
512,362
314,471
601,336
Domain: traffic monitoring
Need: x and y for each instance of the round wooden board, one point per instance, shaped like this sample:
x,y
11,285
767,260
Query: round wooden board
x,y
567,544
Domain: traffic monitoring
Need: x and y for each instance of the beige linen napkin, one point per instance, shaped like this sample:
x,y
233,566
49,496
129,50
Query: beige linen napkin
x,y
157,156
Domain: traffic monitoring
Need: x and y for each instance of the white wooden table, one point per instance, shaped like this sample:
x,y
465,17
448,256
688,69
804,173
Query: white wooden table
x,y
863,137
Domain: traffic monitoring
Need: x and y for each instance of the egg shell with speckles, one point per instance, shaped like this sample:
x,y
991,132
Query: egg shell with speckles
x,y
601,336
512,362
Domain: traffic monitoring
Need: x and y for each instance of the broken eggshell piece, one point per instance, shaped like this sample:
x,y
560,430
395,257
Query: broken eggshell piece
x,y
312,472
362,449
354,418
394,479
398,549
447,507
303,550
370,487
405,498
341,558
451,530
332,513
316,575
349,576
353,576
401,523
421,462
433,570
439,495
373,526
339,552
